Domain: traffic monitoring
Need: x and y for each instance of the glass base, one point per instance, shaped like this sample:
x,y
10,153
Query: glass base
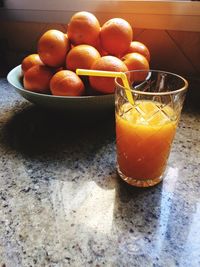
x,y
139,182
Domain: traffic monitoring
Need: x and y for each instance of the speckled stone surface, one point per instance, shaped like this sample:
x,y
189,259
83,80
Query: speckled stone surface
x,y
62,203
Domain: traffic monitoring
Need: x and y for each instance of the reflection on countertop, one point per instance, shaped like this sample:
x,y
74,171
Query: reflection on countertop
x,y
62,203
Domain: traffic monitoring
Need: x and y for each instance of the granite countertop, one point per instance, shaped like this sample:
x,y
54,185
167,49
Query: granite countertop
x,y
62,203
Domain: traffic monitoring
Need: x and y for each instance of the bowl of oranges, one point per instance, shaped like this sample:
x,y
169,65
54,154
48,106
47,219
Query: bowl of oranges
x,y
48,77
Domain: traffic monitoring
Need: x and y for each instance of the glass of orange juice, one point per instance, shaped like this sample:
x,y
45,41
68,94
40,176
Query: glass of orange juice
x,y
146,126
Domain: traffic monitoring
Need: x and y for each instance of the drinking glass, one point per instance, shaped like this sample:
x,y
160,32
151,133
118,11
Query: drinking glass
x,y
146,126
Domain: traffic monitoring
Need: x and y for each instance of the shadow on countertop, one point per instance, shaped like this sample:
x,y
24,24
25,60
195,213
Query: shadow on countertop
x,y
138,206
35,131
193,95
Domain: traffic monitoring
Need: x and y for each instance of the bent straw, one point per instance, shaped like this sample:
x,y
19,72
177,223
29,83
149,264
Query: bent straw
x,y
113,74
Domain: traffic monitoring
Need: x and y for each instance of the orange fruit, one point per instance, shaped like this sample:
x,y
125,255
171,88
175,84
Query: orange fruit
x,y
66,83
98,46
136,61
83,28
116,36
30,61
138,47
82,57
106,85
37,78
53,46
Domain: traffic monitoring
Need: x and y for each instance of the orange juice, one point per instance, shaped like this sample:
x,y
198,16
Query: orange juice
x,y
144,133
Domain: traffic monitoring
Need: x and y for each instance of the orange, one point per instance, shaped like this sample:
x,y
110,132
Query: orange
x,y
53,46
82,57
66,83
98,46
83,28
30,61
37,78
136,61
116,36
104,84
138,47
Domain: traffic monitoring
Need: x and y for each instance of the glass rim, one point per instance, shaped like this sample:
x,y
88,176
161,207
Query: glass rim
x,y
184,88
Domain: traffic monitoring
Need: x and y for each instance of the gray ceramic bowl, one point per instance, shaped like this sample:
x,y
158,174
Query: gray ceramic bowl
x,y
99,103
